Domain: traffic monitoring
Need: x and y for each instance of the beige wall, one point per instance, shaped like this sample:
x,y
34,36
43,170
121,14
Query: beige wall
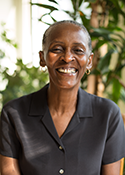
x,y
16,14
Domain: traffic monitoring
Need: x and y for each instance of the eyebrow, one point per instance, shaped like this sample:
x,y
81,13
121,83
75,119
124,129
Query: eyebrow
x,y
82,44
56,42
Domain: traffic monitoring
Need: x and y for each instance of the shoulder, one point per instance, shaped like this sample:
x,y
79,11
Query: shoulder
x,y
99,106
103,103
23,103
19,102
106,109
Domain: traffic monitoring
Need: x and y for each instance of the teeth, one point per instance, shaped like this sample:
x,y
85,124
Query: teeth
x,y
67,71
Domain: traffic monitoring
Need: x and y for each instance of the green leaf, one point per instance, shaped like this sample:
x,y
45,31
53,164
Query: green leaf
x,y
72,15
2,54
104,62
99,44
116,88
54,20
74,4
85,21
41,19
116,4
122,96
91,1
95,72
119,68
45,6
102,31
80,2
53,1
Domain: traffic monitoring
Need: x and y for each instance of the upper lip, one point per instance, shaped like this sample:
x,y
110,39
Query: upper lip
x,y
68,66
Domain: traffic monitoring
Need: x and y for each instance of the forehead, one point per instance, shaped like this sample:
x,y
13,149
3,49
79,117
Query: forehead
x,y
66,30
64,26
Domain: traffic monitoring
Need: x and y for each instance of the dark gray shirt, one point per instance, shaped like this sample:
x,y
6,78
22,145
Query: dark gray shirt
x,y
95,136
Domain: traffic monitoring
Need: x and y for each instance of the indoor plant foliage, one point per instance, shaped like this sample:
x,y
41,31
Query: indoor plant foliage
x,y
24,79
107,40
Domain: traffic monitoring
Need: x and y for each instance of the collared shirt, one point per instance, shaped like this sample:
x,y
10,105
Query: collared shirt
x,y
94,136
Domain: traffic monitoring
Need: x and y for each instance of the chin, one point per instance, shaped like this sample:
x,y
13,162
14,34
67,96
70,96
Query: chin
x,y
63,84
68,86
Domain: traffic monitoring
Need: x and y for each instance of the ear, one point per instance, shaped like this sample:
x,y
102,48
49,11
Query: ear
x,y
89,63
42,61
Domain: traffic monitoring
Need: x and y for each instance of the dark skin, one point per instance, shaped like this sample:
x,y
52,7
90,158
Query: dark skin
x,y
66,53
67,56
9,166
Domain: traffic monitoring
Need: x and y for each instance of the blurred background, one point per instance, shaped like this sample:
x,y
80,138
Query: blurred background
x,y
22,24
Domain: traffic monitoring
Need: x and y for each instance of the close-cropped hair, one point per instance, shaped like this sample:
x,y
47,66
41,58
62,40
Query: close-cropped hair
x,y
46,34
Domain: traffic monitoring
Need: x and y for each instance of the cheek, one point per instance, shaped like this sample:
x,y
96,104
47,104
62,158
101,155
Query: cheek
x,y
50,59
83,61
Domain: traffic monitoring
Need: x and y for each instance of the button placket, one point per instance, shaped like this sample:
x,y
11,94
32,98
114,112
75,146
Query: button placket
x,y
62,149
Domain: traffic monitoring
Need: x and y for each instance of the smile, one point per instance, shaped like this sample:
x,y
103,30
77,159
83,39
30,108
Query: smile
x,y
67,71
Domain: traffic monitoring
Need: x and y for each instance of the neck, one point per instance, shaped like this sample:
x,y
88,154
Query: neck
x,y
62,100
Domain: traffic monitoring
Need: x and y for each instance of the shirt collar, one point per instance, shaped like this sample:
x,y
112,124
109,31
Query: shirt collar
x,y
84,105
39,103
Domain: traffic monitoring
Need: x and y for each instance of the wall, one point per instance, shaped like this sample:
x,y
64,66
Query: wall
x,y
17,16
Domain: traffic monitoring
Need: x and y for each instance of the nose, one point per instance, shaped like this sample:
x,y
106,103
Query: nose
x,y
67,57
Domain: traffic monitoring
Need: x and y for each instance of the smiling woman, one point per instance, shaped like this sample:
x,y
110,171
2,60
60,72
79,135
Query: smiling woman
x,y
68,56
61,129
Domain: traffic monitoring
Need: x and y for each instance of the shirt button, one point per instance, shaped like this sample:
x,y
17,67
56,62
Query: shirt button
x,y
61,171
60,147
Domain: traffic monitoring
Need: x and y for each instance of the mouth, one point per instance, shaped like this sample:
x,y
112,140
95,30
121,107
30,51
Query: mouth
x,y
67,70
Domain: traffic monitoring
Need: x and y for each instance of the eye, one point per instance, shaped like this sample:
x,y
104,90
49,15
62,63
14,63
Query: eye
x,y
79,51
57,49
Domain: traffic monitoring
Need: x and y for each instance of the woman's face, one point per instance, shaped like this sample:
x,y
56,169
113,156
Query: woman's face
x,y
66,55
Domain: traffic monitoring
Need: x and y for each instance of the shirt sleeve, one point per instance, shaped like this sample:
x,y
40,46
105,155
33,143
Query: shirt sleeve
x,y
115,143
9,143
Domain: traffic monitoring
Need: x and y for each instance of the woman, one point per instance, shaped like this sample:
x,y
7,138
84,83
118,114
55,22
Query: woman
x,y
61,129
